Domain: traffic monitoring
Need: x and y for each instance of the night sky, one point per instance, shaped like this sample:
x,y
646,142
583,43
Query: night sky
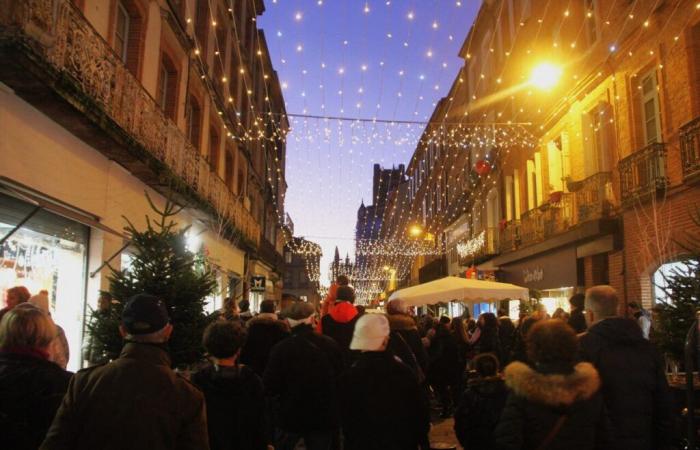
x,y
390,60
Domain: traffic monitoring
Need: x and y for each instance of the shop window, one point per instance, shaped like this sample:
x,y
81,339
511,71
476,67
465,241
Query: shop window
x,y
194,121
127,34
201,26
167,87
214,150
650,107
48,252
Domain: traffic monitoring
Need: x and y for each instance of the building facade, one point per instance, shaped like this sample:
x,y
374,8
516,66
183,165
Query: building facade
x,y
101,101
590,181
302,276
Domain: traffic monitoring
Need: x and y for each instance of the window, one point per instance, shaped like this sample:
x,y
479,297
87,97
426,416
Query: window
x,y
194,122
214,150
591,21
651,113
598,135
532,185
241,186
166,96
288,257
558,162
229,169
121,32
201,27
509,200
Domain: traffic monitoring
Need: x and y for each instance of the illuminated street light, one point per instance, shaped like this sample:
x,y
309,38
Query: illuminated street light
x,y
415,230
545,76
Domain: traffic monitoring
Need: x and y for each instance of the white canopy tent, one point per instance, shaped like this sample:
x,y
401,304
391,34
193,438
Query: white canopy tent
x,y
460,289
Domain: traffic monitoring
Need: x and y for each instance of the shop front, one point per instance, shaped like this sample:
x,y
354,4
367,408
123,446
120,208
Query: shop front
x,y
45,251
552,276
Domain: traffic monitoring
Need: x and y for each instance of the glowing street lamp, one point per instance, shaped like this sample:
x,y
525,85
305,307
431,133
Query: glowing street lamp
x,y
415,231
545,76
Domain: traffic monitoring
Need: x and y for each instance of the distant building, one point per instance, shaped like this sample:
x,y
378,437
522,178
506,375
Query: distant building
x,y
342,267
303,264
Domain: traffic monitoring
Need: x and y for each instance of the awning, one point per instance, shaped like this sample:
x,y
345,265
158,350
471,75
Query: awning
x,y
459,289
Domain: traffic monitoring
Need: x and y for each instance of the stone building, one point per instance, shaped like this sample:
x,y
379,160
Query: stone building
x,y
101,101
303,270
591,180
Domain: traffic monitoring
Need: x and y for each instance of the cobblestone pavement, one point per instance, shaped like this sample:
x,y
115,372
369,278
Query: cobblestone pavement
x,y
442,435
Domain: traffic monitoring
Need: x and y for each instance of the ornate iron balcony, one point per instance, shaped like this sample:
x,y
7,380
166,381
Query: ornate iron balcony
x,y
643,173
690,148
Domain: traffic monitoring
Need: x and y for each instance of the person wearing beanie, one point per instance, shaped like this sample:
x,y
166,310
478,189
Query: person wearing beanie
x,y
136,401
340,321
234,393
59,351
300,382
382,404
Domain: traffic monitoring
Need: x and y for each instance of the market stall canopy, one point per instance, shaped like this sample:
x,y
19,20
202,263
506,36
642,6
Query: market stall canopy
x,y
460,289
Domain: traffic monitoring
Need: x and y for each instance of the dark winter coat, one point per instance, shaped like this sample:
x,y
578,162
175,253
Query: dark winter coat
x,y
383,406
339,324
31,389
264,331
235,407
135,402
478,412
403,328
537,402
506,336
489,342
301,381
577,321
635,389
445,363
520,346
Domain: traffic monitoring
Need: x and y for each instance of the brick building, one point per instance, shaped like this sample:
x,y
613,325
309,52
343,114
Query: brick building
x,y
101,101
589,182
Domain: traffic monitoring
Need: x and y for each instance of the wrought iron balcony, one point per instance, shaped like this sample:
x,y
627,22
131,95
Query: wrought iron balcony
x,y
643,173
509,236
593,197
87,73
690,148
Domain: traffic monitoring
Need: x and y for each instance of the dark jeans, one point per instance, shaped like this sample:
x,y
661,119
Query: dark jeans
x,y
313,440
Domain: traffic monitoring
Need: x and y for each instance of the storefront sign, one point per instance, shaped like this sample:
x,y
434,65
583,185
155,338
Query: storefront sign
x,y
257,284
549,270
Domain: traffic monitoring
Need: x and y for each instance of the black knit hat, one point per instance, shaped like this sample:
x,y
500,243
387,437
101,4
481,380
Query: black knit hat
x,y
144,314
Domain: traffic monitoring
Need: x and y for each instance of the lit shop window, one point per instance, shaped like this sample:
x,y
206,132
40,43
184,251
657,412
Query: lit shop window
x,y
48,252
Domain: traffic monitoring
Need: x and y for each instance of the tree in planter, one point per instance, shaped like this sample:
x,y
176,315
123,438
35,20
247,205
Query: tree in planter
x,y
162,266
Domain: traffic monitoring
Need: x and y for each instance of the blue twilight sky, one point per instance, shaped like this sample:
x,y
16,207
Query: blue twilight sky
x,y
352,58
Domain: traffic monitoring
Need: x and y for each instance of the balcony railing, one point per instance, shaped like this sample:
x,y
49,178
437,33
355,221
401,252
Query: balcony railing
x,y
643,173
690,148
589,199
593,197
63,38
484,243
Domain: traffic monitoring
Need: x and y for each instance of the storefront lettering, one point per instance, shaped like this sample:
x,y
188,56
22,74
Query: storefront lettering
x,y
533,275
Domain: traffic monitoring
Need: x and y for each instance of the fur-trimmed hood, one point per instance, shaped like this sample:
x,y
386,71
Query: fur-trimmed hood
x,y
553,389
401,322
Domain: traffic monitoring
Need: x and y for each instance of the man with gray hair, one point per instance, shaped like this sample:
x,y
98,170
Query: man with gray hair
x,y
135,401
633,378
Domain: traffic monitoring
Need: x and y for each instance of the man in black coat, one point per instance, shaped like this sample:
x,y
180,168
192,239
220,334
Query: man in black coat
x,y
264,331
577,320
383,406
404,339
301,383
506,335
634,384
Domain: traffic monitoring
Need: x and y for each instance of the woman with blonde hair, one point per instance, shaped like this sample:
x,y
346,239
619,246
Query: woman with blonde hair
x,y
31,386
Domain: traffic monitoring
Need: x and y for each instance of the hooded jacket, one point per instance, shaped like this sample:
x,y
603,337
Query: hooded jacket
x,y
235,407
478,412
539,400
383,406
403,328
264,331
31,389
635,388
339,324
137,402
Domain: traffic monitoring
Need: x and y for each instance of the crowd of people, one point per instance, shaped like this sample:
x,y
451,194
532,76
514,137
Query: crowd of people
x,y
340,378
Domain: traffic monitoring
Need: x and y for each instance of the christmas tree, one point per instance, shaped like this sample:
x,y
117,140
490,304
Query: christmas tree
x,y
162,266
682,297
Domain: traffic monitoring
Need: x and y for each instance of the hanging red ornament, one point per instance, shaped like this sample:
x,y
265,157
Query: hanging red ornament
x,y
482,167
